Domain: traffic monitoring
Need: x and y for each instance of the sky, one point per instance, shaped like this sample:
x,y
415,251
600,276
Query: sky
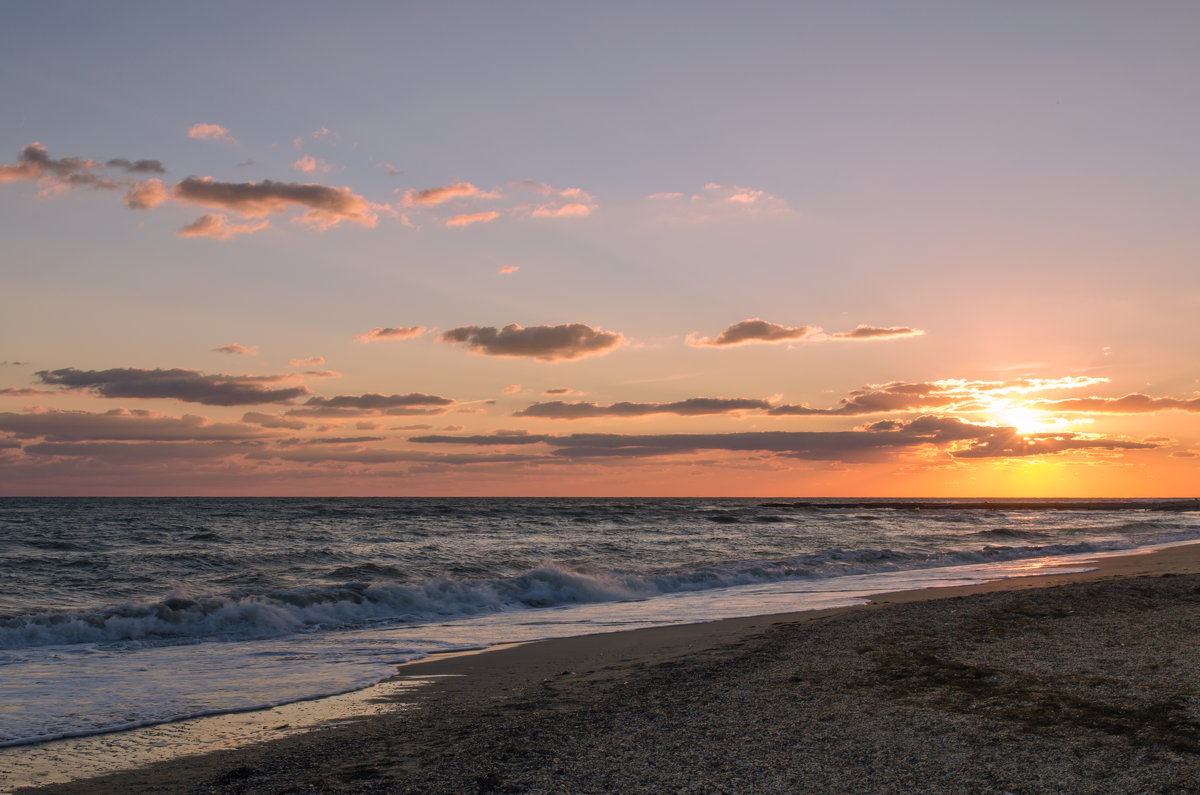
x,y
859,249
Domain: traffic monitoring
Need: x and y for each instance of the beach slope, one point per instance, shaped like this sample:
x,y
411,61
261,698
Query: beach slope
x,y
1080,683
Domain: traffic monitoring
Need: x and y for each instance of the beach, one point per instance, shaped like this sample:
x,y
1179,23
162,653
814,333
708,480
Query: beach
x,y
1081,682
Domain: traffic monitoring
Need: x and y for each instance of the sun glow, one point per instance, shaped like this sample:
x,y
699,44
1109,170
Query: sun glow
x,y
1026,420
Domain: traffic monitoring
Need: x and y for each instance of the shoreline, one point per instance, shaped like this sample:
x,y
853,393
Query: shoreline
x,y
490,696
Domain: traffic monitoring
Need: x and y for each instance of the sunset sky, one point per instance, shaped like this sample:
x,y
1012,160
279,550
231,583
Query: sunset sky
x,y
937,249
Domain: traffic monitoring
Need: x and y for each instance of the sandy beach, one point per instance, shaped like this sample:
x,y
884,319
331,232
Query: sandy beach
x,y
1075,682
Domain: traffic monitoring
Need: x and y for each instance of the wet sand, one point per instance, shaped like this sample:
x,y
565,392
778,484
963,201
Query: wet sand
x,y
1076,682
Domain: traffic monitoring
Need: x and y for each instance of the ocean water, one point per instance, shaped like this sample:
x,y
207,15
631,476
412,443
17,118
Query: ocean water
x,y
118,613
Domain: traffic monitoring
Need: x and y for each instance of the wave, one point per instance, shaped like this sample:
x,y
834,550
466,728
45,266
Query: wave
x,y
273,613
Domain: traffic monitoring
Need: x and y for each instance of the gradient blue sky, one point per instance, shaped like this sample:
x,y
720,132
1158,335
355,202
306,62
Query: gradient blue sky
x,y
1011,188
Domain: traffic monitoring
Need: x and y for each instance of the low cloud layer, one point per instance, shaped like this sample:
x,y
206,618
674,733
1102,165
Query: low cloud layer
x,y
190,386
752,331
949,394
373,404
692,407
1135,403
951,436
547,343
120,424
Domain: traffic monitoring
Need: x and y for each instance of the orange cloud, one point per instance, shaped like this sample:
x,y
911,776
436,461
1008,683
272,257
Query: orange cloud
x,y
865,332
309,164
396,333
753,330
692,407
472,218
215,225
716,202
547,343
312,361
573,210
1134,403
146,195
237,350
210,132
54,176
441,195
327,206
507,269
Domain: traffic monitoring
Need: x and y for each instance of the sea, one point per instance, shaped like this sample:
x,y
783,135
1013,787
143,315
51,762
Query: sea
x,y
124,613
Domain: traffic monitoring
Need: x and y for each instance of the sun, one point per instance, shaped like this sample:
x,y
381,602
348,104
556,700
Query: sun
x,y
1023,418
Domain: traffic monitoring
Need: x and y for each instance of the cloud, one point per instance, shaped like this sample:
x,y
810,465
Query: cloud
x,y
34,163
1134,403
692,407
137,166
507,269
141,453
238,350
376,401
190,386
864,332
499,438
54,176
321,133
146,195
327,206
24,392
752,331
547,343
572,210
312,361
473,218
309,164
120,424
216,226
949,394
273,421
512,389
210,132
395,333
716,202
373,404
954,437
441,195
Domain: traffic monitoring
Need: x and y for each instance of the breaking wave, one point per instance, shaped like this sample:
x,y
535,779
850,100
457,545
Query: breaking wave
x,y
254,614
